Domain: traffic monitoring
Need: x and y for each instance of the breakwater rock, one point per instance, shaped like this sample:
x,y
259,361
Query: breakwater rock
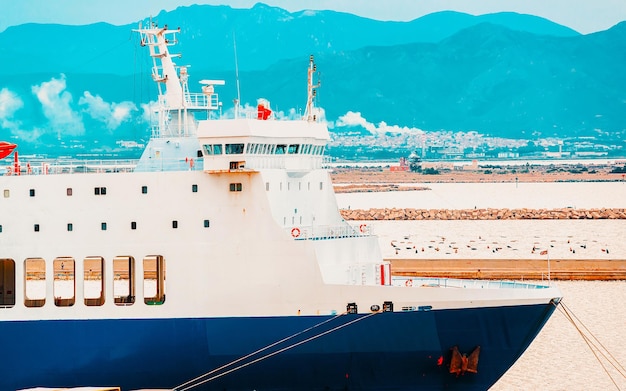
x,y
483,214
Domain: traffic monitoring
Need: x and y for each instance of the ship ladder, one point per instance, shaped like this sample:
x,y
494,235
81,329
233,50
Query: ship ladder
x,y
596,347
215,373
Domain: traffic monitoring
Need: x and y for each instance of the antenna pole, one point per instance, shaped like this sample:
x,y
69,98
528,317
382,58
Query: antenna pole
x,y
238,100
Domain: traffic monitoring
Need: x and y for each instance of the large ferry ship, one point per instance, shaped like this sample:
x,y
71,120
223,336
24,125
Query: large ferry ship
x,y
221,262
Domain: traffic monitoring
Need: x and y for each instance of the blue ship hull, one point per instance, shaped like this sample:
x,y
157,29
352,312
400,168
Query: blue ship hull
x,y
385,351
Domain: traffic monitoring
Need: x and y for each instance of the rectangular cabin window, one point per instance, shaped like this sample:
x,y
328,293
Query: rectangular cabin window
x,y
100,190
133,225
281,149
7,283
36,227
64,285
194,188
144,189
235,187
207,223
34,282
70,227
124,280
174,224
293,148
0,228
68,191
103,226
31,192
267,188
321,185
154,280
93,288
234,149
6,193
212,149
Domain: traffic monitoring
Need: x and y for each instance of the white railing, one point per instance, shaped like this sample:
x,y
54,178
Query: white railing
x,y
52,167
326,232
461,283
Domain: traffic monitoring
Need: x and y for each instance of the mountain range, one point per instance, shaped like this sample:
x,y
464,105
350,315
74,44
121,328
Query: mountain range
x,y
504,75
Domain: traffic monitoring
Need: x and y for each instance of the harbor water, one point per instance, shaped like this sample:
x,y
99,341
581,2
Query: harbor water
x,y
559,358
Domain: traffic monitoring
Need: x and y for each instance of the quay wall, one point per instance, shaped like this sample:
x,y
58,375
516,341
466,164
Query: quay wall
x,y
483,214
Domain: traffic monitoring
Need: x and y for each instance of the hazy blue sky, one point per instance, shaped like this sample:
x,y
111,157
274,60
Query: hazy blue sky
x,y
582,15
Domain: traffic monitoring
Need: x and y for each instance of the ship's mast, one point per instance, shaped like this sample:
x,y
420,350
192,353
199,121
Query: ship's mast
x,y
310,114
176,103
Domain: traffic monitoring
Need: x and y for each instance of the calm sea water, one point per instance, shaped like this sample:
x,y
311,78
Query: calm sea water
x,y
559,358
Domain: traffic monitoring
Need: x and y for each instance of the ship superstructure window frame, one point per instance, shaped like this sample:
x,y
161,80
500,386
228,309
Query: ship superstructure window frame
x,y
207,223
68,191
236,187
70,227
154,280
212,149
293,149
7,193
100,190
174,224
93,281
124,280
64,281
31,192
194,188
234,149
36,227
7,283
144,189
133,225
280,149
34,282
103,226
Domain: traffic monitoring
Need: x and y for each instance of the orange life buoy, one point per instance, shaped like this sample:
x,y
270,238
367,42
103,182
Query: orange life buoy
x,y
362,228
408,283
295,232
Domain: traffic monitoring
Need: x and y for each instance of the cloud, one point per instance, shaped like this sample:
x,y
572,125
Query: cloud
x,y
111,114
56,104
356,119
9,104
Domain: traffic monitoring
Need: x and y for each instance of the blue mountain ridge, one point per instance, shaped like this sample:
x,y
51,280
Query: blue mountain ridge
x,y
447,70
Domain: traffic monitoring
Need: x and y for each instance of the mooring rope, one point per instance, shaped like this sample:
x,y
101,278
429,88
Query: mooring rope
x,y
202,378
596,347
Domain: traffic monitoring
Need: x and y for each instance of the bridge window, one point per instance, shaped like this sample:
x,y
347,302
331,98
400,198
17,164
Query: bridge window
x,y
7,283
34,282
93,281
124,280
212,149
64,286
294,148
234,149
154,280
280,149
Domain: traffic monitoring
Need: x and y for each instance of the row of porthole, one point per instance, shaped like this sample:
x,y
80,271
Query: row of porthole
x,y
99,190
103,226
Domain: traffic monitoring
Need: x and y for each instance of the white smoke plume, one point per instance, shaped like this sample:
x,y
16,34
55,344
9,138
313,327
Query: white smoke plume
x,y
9,104
356,119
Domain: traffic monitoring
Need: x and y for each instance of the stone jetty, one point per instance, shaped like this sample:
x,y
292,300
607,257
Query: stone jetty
x,y
483,214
